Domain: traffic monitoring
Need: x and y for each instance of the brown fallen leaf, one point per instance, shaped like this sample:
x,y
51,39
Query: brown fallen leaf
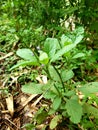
x,y
10,104
8,128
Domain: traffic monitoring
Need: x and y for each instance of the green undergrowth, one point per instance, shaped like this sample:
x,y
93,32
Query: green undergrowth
x,y
63,81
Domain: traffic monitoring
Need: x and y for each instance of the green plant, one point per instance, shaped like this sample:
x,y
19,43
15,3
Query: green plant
x,y
57,60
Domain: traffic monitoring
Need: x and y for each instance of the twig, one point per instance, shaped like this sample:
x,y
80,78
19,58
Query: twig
x,y
26,102
12,123
7,55
35,103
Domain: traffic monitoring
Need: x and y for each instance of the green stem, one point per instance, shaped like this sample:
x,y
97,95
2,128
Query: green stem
x,y
59,77
57,90
36,56
47,71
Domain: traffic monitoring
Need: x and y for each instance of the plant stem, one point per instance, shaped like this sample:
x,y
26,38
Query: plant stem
x,y
59,77
57,90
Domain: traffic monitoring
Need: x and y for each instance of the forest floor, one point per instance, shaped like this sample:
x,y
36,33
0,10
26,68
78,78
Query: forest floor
x,y
17,108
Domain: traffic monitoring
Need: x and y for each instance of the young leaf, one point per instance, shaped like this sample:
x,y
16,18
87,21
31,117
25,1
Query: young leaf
x,y
32,88
54,121
50,46
43,58
25,53
74,110
78,55
65,40
79,34
78,39
63,51
56,103
38,30
89,88
79,31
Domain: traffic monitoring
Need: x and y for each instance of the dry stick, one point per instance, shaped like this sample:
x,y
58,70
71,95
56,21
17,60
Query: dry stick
x,y
5,111
35,103
7,55
26,102
7,125
12,123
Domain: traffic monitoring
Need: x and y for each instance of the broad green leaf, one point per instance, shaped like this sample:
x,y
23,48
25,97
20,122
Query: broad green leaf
x,y
51,111
79,31
55,88
89,109
50,46
74,110
53,73
25,63
47,86
43,58
78,39
79,34
25,53
49,90
70,93
78,55
56,102
49,95
41,116
12,30
63,51
32,88
89,88
66,75
54,121
65,40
